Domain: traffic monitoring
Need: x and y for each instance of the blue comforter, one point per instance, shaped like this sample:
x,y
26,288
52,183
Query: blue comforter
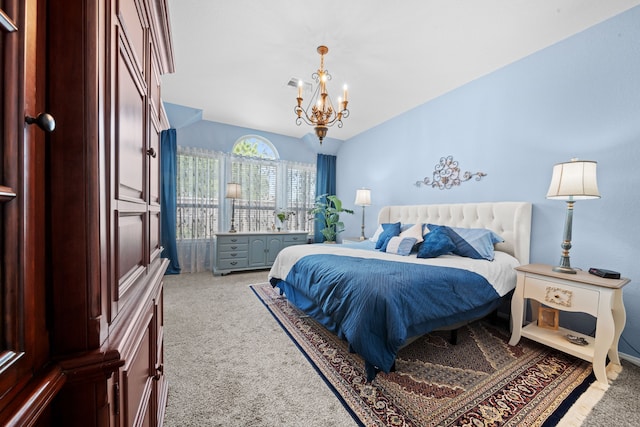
x,y
376,304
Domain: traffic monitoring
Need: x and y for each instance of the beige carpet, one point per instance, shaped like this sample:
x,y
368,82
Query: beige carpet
x,y
229,363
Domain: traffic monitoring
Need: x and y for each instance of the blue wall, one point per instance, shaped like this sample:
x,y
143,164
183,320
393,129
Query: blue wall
x,y
578,98
192,131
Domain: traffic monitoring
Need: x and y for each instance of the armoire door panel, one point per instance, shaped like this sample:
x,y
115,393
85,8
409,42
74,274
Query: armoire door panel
x,y
154,88
131,131
138,380
134,25
154,163
130,229
160,388
154,235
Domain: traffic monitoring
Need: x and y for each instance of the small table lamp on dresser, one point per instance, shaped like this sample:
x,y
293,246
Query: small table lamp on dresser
x,y
363,198
234,192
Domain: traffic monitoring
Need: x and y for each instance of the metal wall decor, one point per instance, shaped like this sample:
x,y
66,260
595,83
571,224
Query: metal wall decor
x,y
447,174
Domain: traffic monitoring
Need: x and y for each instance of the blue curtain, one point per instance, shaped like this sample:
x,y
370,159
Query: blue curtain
x,y
168,171
325,184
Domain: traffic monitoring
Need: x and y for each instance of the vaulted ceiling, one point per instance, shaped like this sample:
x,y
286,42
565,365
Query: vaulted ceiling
x,y
234,58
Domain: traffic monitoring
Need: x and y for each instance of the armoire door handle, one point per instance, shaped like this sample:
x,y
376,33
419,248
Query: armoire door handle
x,y
6,194
45,121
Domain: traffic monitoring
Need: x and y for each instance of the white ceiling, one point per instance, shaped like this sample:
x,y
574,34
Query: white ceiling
x,y
233,58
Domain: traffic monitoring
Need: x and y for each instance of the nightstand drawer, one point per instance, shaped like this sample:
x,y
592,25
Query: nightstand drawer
x,y
561,296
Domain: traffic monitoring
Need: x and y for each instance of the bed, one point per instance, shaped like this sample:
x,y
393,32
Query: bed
x,y
378,301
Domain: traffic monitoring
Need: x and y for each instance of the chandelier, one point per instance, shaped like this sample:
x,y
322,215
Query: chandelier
x,y
320,112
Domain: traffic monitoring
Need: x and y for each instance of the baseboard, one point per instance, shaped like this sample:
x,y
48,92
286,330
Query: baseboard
x,y
629,358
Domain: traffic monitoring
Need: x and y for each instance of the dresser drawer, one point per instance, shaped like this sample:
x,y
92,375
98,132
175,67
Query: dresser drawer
x,y
294,240
562,296
231,264
233,255
224,240
233,247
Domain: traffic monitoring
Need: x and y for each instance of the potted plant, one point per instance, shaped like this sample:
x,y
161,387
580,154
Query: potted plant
x,y
283,217
329,209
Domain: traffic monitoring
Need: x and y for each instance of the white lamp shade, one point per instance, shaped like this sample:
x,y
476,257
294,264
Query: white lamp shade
x,y
363,197
574,180
234,190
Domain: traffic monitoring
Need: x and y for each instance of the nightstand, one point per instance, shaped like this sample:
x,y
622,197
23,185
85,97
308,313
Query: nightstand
x,y
581,292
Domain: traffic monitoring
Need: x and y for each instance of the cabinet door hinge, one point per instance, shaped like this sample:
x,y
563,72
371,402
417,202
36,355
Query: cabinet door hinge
x,y
116,399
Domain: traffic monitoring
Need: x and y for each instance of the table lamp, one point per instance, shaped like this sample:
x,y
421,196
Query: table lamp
x,y
363,198
233,192
571,181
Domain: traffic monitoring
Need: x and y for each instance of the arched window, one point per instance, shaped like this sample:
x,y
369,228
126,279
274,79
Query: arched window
x,y
269,186
255,146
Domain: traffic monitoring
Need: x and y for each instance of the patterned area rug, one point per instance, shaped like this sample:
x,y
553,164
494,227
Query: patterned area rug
x,y
481,381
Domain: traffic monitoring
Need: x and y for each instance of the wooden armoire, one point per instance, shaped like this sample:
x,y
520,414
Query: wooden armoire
x,y
81,273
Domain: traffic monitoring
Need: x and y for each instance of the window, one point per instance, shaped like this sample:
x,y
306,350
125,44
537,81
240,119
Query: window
x,y
268,185
255,146
301,192
255,169
197,193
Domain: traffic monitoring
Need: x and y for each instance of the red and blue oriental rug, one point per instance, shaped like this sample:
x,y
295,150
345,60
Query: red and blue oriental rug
x,y
480,381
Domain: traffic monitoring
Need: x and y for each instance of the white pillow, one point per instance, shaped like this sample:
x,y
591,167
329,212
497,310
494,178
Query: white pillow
x,y
414,231
375,236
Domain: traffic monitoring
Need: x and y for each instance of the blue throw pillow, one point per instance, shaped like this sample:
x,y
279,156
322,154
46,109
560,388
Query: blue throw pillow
x,y
476,243
400,245
388,231
437,242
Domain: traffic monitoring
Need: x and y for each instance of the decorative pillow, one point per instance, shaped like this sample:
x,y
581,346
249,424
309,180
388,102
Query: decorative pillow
x,y
404,227
414,231
376,235
388,231
400,245
436,242
476,243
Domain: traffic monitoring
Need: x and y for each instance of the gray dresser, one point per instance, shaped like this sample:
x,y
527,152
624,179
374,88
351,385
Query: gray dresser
x,y
251,251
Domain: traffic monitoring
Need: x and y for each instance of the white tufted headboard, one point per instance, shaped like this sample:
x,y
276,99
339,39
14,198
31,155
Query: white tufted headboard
x,y
511,220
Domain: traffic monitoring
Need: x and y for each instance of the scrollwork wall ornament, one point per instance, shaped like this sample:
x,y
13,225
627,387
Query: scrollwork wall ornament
x,y
447,175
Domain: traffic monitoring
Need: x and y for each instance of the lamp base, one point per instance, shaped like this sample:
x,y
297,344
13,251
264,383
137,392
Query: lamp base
x,y
233,231
362,238
562,269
